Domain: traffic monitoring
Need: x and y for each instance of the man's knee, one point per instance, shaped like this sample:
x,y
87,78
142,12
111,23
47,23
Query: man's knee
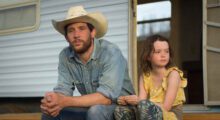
x,y
46,117
96,110
101,112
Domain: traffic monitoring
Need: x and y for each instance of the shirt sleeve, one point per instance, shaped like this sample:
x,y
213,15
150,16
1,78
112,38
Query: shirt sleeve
x,y
183,80
64,84
111,80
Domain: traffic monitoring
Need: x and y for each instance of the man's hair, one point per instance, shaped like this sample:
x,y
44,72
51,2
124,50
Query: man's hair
x,y
90,26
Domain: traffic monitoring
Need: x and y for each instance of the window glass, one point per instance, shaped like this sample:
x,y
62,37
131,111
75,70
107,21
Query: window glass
x,y
153,18
19,18
155,10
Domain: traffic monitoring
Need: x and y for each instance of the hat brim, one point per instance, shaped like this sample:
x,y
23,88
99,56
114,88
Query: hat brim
x,y
96,19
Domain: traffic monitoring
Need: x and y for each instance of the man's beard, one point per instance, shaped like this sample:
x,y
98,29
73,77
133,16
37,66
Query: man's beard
x,y
85,47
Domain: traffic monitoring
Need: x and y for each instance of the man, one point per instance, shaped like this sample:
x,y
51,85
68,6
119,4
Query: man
x,y
95,67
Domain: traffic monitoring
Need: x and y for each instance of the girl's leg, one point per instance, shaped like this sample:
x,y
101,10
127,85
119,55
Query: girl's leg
x,y
149,111
125,113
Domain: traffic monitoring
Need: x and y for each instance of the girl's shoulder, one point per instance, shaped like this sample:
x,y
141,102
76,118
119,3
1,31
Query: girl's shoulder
x,y
145,76
176,70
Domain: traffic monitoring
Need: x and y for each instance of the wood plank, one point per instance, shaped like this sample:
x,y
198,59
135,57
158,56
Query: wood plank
x,y
21,116
37,116
201,116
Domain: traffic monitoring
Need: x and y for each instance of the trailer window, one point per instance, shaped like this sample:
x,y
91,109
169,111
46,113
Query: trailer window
x,y
18,16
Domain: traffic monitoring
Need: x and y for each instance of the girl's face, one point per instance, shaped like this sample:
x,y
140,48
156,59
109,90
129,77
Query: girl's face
x,y
160,55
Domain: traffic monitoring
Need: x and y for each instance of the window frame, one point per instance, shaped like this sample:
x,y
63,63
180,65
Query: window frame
x,y
154,20
15,4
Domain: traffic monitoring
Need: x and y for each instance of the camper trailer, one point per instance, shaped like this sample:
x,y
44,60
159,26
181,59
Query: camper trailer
x,y
29,46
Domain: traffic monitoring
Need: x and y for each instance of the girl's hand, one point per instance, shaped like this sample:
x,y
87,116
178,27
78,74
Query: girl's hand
x,y
132,99
121,100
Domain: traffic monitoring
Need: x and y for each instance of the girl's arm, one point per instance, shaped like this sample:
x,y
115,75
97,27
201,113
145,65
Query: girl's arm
x,y
172,88
142,92
134,99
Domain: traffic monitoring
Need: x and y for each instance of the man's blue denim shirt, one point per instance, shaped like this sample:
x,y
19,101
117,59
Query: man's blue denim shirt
x,y
106,72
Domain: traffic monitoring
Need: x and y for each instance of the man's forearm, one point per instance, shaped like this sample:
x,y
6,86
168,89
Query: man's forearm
x,y
86,100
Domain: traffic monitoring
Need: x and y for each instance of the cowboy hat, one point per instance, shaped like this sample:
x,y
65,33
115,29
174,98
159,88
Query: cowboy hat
x,y
78,14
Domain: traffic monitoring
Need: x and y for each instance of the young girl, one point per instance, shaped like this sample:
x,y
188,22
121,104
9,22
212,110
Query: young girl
x,y
161,93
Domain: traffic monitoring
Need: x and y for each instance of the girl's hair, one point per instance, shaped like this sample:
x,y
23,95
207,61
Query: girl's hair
x,y
145,64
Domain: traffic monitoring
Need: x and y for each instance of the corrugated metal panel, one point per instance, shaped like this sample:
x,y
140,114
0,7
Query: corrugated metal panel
x,y
28,61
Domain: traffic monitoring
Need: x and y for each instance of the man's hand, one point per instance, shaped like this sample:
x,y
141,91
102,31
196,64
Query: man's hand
x,y
121,100
52,103
132,99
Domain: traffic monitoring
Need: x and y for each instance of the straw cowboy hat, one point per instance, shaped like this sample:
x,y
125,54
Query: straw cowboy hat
x,y
78,14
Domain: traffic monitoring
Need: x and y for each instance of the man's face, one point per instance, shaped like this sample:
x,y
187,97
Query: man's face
x,y
80,37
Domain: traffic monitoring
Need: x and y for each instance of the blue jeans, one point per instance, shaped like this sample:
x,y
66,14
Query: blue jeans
x,y
96,112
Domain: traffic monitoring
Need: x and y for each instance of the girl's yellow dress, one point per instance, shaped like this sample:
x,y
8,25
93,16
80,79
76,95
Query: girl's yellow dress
x,y
156,95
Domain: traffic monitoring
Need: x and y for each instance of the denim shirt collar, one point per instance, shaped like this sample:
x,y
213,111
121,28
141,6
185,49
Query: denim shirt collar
x,y
95,52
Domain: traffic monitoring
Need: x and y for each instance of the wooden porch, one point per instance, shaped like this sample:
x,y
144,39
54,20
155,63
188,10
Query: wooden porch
x,y
37,116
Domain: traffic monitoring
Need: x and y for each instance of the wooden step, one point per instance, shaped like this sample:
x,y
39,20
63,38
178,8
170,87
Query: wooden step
x,y
21,116
37,116
201,116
